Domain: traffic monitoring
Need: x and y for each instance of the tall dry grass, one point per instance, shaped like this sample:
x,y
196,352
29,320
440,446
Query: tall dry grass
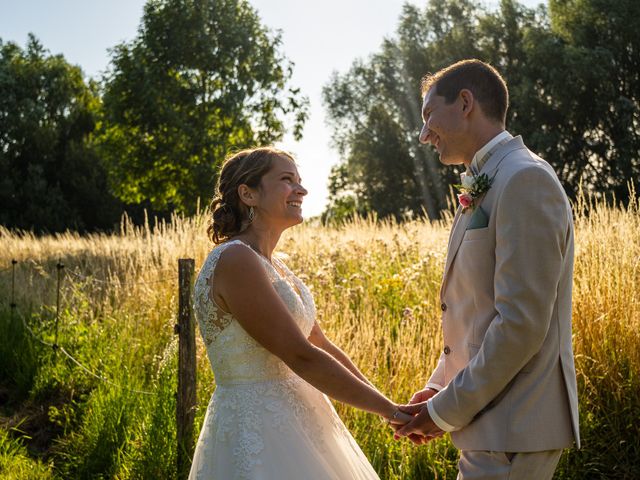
x,y
376,289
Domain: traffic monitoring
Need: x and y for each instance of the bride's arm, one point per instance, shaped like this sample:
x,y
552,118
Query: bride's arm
x,y
242,283
319,339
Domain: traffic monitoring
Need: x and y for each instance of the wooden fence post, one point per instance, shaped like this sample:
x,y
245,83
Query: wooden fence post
x,y
59,267
186,398
13,287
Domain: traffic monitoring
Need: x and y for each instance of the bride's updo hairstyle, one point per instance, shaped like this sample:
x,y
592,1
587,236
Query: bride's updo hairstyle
x,y
229,215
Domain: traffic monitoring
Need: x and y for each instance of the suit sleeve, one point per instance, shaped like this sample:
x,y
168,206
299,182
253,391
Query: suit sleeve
x,y
532,219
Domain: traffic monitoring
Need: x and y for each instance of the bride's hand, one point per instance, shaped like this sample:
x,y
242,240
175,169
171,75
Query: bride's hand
x,y
397,417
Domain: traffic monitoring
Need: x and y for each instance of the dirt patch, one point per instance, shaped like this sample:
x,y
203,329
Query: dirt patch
x,y
32,423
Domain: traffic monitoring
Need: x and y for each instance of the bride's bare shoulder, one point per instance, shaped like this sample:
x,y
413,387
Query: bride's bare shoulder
x,y
238,260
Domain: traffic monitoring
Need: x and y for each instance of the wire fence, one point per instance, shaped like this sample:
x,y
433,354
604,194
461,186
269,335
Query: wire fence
x,y
63,274
102,281
184,329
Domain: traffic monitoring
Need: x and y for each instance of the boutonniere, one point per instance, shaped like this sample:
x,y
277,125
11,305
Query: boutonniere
x,y
471,188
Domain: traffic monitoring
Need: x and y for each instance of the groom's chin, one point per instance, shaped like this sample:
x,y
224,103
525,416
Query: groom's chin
x,y
450,160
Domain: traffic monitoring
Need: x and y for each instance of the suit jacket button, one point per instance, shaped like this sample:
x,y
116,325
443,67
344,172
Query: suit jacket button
x,y
443,307
447,350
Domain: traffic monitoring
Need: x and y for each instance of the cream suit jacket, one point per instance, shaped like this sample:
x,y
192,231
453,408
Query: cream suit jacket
x,y
507,365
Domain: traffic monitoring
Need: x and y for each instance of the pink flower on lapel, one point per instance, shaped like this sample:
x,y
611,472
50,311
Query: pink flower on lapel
x,y
465,200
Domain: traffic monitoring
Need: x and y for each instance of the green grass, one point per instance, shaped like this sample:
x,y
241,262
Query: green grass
x,y
16,463
376,290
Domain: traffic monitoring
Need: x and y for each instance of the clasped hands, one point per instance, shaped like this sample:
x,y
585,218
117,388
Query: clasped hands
x,y
421,429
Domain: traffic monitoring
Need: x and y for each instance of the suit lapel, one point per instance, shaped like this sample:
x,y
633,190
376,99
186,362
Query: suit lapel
x,y
461,220
456,219
459,227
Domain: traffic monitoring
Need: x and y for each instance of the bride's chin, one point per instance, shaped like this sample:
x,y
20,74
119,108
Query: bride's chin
x,y
298,215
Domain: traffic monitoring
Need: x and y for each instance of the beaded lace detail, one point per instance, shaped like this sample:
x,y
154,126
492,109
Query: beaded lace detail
x,y
211,319
240,422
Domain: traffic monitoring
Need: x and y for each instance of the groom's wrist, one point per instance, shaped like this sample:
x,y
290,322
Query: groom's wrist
x,y
433,386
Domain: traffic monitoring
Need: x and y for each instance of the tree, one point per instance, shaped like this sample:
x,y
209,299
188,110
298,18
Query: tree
x,y
382,177
425,41
601,65
202,78
572,76
51,177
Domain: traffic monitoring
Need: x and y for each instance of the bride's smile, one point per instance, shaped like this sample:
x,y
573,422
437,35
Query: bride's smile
x,y
278,198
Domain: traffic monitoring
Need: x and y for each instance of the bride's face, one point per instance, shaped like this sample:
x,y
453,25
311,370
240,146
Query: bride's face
x,y
279,196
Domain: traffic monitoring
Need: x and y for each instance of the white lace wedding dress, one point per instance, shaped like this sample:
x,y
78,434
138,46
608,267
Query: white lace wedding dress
x,y
263,421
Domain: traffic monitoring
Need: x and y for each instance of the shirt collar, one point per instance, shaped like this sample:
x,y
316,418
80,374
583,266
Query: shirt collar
x,y
478,160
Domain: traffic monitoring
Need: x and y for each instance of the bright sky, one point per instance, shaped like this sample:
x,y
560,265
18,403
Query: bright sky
x,y
318,36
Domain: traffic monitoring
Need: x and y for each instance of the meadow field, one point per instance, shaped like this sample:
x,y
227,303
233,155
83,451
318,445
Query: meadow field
x,y
376,290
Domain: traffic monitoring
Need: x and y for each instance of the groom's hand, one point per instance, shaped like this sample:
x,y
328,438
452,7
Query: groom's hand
x,y
422,428
423,395
418,397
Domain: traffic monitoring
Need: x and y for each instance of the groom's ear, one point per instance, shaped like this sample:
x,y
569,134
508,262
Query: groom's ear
x,y
467,101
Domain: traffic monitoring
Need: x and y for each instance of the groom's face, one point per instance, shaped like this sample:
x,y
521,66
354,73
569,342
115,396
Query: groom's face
x,y
443,127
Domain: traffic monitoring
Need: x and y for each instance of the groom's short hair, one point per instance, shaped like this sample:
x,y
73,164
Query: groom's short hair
x,y
484,81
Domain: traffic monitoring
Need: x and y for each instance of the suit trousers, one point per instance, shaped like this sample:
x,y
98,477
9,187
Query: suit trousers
x,y
484,465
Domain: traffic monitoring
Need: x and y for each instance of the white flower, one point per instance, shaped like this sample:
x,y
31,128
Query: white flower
x,y
468,181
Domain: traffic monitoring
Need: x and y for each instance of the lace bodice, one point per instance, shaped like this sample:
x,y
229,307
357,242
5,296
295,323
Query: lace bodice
x,y
235,357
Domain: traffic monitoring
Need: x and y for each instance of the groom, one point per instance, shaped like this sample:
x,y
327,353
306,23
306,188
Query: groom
x,y
505,384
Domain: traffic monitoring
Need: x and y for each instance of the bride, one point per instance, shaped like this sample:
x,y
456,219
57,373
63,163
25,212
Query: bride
x,y
269,417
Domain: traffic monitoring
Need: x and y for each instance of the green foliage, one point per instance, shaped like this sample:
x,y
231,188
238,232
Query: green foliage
x,y
601,41
15,463
381,174
202,78
156,433
387,85
86,427
574,95
51,177
18,358
607,426
344,202
97,448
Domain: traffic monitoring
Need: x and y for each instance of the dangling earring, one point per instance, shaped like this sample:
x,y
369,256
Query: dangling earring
x,y
252,214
